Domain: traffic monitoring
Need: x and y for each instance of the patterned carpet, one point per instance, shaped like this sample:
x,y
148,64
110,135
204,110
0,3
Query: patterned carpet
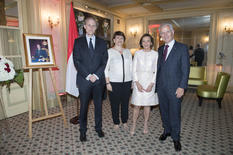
x,y
206,130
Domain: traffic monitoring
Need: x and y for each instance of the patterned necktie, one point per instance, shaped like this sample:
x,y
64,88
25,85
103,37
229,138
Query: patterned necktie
x,y
165,52
91,46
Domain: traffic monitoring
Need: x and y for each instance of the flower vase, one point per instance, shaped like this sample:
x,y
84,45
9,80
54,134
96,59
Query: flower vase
x,y
4,125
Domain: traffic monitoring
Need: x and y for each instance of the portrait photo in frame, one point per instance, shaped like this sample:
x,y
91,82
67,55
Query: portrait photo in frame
x,y
38,50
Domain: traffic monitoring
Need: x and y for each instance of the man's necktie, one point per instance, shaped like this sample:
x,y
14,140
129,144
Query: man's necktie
x,y
91,46
165,52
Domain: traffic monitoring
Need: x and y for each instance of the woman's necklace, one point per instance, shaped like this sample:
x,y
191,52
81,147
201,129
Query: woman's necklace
x,y
119,50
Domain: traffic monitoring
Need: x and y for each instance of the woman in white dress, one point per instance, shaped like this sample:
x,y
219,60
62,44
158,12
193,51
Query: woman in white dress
x,y
144,77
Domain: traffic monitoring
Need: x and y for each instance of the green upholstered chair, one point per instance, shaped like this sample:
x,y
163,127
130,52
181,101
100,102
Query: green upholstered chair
x,y
214,92
197,76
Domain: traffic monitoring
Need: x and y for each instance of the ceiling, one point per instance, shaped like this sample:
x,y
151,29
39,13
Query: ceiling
x,y
185,24
143,7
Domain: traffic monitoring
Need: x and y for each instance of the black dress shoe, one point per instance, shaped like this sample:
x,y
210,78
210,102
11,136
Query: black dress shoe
x,y
83,137
74,120
177,145
100,133
164,136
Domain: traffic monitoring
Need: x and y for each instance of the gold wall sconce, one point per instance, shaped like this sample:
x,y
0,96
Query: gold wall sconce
x,y
206,39
228,29
53,22
133,31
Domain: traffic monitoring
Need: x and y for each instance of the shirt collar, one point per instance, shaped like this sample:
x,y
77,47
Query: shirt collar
x,y
171,43
92,37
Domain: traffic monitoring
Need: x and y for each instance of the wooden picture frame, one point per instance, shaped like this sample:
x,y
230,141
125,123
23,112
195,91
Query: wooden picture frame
x,y
38,50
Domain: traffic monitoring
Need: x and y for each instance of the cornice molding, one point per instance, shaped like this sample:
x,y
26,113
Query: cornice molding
x,y
182,13
96,6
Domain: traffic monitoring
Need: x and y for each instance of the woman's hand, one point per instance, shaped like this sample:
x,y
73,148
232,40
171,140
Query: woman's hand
x,y
109,87
139,86
149,88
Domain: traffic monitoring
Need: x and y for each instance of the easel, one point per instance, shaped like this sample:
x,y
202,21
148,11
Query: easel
x,y
30,98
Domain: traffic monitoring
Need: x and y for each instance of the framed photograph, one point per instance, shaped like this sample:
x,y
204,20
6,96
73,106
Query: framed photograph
x,y
38,50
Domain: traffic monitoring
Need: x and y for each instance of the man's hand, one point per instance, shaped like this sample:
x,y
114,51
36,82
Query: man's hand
x,y
139,86
92,78
179,92
109,87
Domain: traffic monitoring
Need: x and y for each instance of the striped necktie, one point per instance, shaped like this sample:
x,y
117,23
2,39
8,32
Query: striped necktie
x,y
165,52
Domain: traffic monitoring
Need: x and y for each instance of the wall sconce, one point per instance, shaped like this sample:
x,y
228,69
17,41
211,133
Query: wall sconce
x,y
133,32
53,22
228,29
206,39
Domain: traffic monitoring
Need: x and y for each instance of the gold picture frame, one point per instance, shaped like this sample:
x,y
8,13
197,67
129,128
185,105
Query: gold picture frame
x,y
38,50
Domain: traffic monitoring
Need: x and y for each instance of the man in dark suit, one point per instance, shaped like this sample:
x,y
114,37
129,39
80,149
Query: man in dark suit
x,y
90,58
40,54
172,78
199,55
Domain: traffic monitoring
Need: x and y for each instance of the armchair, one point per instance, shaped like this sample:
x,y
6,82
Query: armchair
x,y
214,92
197,76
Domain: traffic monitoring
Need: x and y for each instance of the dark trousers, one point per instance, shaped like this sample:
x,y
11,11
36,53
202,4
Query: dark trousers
x,y
170,109
120,96
85,94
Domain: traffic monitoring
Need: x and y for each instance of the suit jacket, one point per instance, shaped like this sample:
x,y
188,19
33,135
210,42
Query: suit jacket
x,y
41,54
199,55
86,62
173,72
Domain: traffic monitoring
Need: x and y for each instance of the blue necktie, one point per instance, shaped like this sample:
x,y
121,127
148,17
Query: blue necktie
x,y
91,46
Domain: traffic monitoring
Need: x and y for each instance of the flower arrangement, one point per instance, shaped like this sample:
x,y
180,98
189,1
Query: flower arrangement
x,y
80,19
80,22
8,74
221,56
105,26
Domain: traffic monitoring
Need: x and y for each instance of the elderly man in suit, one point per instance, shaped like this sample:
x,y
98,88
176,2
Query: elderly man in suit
x,y
90,58
40,54
172,80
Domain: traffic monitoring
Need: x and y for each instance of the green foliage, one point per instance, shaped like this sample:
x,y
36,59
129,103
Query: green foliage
x,y
19,79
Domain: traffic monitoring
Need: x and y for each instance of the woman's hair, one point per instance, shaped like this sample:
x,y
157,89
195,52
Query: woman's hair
x,y
151,39
118,33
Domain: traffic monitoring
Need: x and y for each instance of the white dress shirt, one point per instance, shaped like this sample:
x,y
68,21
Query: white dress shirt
x,y
170,44
93,40
118,68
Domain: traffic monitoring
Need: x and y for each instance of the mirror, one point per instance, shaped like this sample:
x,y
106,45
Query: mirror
x,y
9,13
188,30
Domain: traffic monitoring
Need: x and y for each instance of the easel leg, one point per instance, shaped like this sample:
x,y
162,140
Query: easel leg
x,y
58,97
43,92
30,104
41,97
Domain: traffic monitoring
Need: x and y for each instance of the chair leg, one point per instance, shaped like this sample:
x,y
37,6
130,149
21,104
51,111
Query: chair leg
x,y
219,100
200,100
